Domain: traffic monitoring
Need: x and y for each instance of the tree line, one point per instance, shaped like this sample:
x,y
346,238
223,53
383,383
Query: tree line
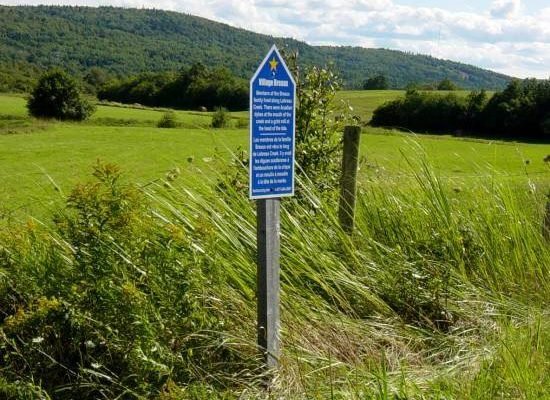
x,y
191,88
381,82
520,111
59,95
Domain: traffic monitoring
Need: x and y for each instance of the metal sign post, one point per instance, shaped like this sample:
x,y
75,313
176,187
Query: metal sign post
x,y
272,131
267,280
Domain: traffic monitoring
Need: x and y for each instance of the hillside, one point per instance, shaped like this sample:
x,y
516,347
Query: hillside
x,y
128,41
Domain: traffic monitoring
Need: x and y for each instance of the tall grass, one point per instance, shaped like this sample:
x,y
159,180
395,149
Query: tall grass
x,y
133,294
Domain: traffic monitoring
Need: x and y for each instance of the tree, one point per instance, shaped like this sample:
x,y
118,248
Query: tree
x,y
446,84
520,110
378,82
95,78
476,102
56,95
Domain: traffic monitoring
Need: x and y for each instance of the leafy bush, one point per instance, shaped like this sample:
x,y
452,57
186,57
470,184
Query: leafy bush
x,y
95,78
319,125
378,82
447,84
85,323
220,118
56,95
423,111
168,120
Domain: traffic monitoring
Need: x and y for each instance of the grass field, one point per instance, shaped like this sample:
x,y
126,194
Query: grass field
x,y
364,102
39,159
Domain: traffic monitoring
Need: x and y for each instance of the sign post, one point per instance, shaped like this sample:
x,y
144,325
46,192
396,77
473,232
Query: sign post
x,y
272,131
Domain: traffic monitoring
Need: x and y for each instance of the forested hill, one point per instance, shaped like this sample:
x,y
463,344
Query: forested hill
x,y
128,41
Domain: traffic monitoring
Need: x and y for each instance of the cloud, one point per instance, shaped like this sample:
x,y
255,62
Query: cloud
x,y
501,37
512,58
505,8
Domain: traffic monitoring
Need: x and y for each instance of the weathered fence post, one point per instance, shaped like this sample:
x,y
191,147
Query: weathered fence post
x,y
268,232
348,183
546,222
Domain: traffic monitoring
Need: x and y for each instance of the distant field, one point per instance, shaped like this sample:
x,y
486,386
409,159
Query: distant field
x,y
119,115
364,102
13,105
37,157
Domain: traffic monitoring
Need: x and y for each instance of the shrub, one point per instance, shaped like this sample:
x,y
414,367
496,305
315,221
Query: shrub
x,y
423,111
476,102
119,309
220,118
447,84
378,82
319,124
95,78
168,120
56,95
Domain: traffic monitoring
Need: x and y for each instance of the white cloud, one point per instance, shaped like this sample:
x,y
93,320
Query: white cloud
x,y
516,59
505,8
501,37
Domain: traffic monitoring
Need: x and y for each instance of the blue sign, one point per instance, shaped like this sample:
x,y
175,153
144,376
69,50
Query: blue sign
x,y
272,128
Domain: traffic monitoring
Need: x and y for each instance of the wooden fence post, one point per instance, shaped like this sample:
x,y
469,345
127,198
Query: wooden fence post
x,y
546,222
348,183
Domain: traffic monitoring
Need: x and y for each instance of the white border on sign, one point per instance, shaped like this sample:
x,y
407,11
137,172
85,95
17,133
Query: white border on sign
x,y
268,196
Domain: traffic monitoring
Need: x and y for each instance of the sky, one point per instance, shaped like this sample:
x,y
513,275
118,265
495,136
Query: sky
x,y
508,36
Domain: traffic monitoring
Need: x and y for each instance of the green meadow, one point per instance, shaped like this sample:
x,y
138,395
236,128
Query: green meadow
x,y
139,283
364,102
40,160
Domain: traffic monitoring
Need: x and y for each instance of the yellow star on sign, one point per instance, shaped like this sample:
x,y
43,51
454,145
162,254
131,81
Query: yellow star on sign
x,y
273,64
